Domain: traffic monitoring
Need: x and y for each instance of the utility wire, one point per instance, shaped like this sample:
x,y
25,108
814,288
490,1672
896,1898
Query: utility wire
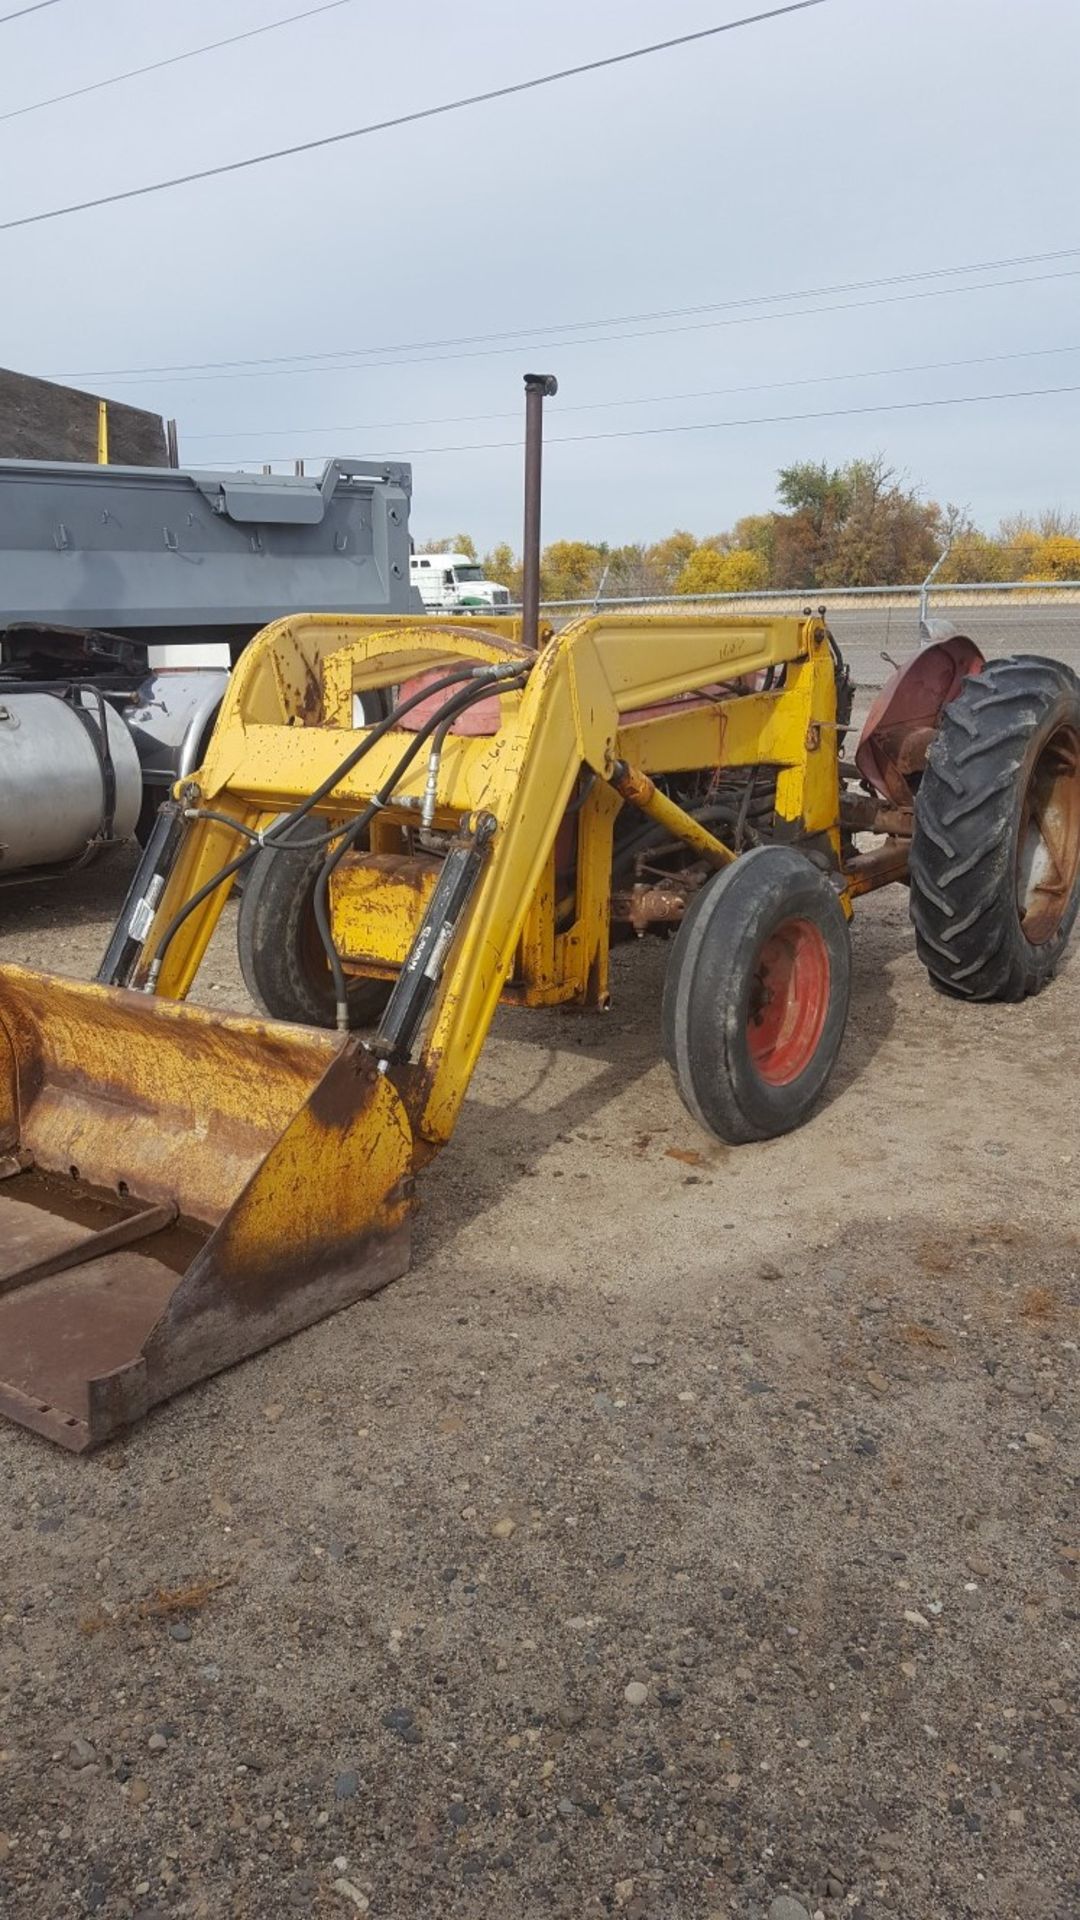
x,y
644,399
711,426
578,326
38,7
155,66
408,119
609,339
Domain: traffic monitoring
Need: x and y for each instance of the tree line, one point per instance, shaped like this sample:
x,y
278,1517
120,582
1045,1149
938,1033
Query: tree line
x,y
856,525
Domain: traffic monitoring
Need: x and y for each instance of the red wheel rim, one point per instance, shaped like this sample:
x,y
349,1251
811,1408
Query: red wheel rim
x,y
1048,845
789,999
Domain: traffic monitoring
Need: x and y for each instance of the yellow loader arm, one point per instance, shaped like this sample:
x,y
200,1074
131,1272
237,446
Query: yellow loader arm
x,y
181,1189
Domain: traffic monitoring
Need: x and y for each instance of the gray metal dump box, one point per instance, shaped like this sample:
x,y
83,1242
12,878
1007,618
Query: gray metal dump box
x,y
159,552
99,564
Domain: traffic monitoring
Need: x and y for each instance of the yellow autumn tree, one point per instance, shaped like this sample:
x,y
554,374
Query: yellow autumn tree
x,y
974,556
453,543
707,571
570,569
665,559
501,564
1055,558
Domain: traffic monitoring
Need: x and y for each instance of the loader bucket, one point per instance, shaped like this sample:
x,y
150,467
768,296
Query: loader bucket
x,y
177,1190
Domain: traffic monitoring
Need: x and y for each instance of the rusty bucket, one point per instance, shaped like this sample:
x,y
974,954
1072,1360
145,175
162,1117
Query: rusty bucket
x,y
177,1190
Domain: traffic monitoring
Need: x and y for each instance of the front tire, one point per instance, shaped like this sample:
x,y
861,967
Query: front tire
x,y
281,954
995,854
756,995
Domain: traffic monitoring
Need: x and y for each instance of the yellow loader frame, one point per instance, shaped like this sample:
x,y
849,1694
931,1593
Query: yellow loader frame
x,y
179,1189
293,696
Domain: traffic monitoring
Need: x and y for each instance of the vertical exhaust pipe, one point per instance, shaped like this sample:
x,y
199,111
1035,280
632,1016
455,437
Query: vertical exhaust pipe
x,y
538,388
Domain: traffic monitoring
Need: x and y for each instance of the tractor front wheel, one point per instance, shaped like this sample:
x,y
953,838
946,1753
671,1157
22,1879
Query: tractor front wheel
x,y
995,855
756,995
281,954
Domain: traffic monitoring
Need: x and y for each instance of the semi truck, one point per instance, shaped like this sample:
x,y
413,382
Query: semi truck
x,y
126,595
448,581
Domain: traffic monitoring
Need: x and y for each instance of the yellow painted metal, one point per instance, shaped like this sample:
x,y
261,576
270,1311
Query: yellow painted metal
x,y
287,1157
607,687
377,901
102,434
289,1148
177,1105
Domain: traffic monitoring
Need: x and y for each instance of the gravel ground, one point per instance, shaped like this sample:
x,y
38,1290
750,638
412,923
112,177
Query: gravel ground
x,y
693,1532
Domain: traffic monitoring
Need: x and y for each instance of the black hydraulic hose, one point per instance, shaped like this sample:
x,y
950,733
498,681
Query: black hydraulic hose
x,y
744,810
441,720
202,893
376,733
281,826
258,839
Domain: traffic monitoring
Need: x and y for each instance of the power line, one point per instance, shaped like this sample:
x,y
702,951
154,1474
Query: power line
x,y
155,66
711,426
646,399
577,326
408,119
609,339
38,7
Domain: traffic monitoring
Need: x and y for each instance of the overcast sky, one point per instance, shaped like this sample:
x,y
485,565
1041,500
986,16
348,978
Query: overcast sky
x,y
858,140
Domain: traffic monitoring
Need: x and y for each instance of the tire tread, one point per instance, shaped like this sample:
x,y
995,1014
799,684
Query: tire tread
x,y
962,898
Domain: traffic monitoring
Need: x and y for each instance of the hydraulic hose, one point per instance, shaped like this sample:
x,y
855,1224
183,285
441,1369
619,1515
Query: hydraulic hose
x,y
439,722
482,675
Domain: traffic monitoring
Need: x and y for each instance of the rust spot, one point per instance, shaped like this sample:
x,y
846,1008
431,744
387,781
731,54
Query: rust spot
x,y
342,1098
644,906
310,702
904,718
878,868
377,900
865,813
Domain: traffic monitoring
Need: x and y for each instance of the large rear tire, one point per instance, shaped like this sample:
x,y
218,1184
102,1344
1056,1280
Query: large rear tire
x,y
282,957
756,995
995,854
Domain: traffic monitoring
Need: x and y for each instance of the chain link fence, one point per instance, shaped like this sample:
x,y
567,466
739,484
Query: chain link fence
x,y
877,627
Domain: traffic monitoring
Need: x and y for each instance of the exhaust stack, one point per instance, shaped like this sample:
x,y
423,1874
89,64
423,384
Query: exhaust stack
x,y
538,388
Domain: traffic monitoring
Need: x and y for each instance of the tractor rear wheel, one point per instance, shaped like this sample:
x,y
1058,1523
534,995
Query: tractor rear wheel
x,y
995,854
756,995
281,954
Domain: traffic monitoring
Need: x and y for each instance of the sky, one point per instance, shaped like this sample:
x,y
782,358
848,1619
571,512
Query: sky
x,y
857,141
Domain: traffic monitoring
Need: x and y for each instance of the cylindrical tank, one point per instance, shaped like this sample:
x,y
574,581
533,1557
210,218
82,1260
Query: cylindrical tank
x,y
51,788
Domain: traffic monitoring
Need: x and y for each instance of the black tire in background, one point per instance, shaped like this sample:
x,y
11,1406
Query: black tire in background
x,y
756,995
995,855
282,957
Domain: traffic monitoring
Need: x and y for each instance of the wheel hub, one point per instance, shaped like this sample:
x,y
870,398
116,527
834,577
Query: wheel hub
x,y
789,999
1048,845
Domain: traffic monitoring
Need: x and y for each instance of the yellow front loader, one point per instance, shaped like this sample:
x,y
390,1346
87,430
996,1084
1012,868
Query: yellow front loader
x,y
431,818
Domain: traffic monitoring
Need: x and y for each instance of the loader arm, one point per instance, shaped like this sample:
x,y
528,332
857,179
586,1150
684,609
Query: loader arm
x,y
179,1189
604,689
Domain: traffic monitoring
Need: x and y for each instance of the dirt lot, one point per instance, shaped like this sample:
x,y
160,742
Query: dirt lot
x,y
781,1439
